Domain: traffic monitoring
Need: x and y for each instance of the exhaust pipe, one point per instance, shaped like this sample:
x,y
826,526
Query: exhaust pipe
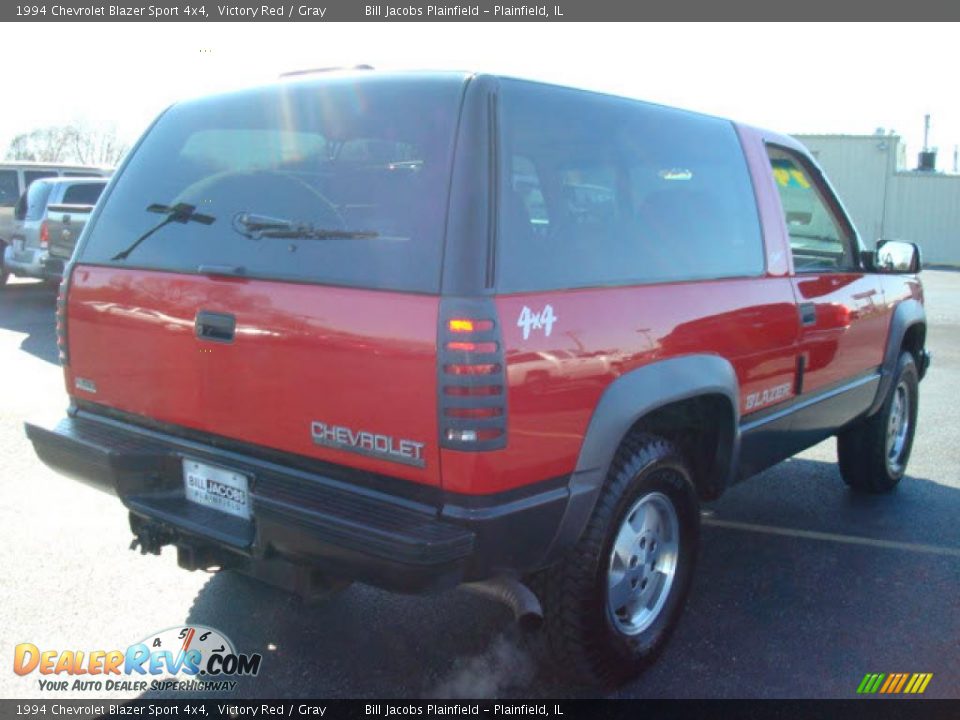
x,y
518,597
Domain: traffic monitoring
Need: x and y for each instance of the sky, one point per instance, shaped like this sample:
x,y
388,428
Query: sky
x,y
846,78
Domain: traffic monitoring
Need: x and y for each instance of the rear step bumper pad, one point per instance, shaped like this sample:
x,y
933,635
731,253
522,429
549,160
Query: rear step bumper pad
x,y
359,533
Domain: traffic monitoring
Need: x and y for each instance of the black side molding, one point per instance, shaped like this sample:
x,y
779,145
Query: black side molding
x,y
906,315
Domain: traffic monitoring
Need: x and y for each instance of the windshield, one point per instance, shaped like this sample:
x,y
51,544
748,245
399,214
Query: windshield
x,y
365,161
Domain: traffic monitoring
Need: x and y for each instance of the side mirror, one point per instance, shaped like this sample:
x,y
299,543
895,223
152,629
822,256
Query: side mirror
x,y
894,256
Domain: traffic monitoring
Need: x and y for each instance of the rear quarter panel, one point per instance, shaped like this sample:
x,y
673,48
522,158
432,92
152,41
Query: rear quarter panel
x,y
556,380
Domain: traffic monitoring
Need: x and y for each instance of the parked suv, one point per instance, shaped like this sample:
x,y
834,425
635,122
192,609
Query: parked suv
x,y
36,233
15,179
294,333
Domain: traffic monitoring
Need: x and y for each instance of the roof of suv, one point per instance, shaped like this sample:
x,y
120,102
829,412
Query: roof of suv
x,y
73,180
28,164
319,76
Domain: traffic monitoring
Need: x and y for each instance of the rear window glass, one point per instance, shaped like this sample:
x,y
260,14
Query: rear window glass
x,y
84,194
598,190
341,181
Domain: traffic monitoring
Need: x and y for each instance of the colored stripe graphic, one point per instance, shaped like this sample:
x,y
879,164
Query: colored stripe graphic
x,y
870,683
894,683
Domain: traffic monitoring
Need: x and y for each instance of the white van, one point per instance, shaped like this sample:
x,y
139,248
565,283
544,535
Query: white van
x,y
15,178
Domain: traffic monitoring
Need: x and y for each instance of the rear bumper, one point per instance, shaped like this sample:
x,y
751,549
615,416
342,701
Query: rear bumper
x,y
31,262
302,518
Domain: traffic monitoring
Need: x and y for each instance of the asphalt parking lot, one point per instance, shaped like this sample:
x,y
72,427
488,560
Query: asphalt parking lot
x,y
802,586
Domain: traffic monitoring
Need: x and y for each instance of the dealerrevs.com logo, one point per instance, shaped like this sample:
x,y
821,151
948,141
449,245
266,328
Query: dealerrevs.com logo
x,y
192,657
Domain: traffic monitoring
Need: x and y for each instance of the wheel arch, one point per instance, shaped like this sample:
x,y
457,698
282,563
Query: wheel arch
x,y
908,331
657,398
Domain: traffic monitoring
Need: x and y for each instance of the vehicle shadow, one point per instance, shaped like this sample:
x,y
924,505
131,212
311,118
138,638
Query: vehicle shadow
x,y
29,308
760,603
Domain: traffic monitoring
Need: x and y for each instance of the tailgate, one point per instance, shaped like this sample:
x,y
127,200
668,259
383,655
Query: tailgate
x,y
339,374
64,224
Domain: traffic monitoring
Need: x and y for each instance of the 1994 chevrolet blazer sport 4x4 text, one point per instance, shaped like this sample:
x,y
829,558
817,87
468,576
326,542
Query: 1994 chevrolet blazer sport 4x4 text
x,y
421,329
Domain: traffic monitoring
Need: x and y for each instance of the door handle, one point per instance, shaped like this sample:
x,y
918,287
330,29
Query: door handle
x,y
808,314
218,327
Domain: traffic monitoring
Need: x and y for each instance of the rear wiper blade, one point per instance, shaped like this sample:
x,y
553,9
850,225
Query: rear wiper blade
x,y
262,226
311,233
179,213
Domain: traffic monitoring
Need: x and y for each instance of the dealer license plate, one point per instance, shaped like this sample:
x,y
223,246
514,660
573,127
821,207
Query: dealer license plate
x,y
217,488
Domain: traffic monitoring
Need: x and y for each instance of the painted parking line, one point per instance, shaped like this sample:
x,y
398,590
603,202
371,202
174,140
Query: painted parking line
x,y
832,537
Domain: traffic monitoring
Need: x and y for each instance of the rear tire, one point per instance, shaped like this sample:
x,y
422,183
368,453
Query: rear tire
x,y
873,454
612,603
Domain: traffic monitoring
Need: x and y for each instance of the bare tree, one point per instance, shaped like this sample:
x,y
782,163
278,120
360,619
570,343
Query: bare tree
x,y
93,146
47,144
78,143
20,149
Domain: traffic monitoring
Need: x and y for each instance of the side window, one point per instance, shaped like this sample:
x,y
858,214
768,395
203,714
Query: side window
x,y
599,190
85,194
30,175
9,192
819,240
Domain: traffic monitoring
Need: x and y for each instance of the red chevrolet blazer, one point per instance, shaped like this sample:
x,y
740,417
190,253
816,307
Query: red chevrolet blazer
x,y
425,329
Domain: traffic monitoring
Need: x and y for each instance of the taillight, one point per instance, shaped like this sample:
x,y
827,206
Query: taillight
x,y
473,401
44,235
61,316
469,325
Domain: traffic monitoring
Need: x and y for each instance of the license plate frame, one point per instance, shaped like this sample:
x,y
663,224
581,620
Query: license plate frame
x,y
216,487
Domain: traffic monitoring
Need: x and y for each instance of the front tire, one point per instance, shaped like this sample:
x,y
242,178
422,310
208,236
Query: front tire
x,y
612,603
873,454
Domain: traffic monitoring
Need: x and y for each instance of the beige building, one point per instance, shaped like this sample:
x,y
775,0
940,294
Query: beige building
x,y
888,200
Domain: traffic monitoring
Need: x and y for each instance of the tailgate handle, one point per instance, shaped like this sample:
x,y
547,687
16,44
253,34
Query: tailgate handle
x,y
218,327
224,270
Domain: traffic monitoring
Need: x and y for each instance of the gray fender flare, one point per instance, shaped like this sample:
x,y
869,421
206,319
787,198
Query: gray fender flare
x,y
906,315
625,401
